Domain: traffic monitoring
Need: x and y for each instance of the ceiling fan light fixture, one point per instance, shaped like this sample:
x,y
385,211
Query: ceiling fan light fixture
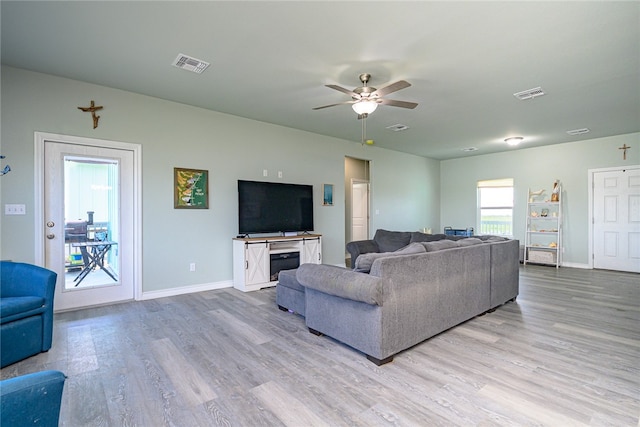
x,y
364,107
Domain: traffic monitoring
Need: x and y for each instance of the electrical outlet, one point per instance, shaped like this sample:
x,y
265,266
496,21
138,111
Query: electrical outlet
x,y
192,266
265,172
279,174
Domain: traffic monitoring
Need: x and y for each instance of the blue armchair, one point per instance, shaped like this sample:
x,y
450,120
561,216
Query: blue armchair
x,y
26,310
32,399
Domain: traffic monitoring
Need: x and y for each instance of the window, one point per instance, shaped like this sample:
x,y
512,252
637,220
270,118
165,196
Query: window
x,y
495,207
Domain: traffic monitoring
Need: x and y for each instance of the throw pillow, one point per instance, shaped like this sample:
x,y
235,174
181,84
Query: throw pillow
x,y
389,241
364,261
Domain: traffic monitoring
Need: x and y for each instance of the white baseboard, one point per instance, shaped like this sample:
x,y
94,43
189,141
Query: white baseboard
x,y
185,290
575,265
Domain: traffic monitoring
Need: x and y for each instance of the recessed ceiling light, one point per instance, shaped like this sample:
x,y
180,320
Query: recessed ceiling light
x,y
398,127
190,63
577,131
529,93
514,140
469,149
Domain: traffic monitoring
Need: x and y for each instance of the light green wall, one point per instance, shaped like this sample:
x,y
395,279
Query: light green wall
x,y
536,168
405,188
408,192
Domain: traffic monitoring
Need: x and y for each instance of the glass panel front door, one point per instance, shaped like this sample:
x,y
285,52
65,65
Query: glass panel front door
x,y
92,229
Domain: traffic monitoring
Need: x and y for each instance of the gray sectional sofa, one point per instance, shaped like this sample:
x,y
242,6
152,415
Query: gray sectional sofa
x,y
405,298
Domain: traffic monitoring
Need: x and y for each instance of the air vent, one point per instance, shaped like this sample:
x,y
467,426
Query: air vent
x,y
398,127
190,64
577,131
529,94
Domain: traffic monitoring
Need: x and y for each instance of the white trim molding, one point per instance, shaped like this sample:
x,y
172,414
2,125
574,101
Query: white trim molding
x,y
182,290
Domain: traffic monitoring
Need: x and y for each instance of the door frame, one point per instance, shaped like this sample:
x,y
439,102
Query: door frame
x,y
39,194
591,173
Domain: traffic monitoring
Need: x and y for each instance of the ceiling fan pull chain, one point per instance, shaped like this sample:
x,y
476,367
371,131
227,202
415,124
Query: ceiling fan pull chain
x,y
364,129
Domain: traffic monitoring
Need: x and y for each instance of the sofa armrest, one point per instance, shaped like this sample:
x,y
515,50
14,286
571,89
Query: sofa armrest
x,y
341,282
32,399
360,247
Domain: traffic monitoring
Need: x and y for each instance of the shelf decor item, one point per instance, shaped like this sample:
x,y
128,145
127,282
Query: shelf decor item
x,y
534,194
555,193
190,188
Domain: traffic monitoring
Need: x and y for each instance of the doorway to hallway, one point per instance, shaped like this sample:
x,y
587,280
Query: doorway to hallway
x,y
357,200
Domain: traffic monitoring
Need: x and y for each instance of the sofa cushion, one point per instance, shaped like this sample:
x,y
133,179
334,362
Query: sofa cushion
x,y
389,241
288,279
440,245
417,236
469,241
492,239
364,261
11,306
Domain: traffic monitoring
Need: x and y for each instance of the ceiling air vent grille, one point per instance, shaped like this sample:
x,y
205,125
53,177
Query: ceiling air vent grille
x,y
529,94
577,131
190,64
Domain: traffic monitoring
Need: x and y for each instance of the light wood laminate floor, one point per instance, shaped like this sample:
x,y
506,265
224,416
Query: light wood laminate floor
x,y
567,352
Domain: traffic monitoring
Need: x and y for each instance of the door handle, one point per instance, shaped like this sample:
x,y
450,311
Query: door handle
x,y
51,236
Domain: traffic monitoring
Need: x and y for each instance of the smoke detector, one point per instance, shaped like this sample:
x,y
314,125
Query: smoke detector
x,y
190,63
529,93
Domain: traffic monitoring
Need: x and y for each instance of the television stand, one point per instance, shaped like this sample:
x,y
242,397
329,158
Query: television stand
x,y
258,260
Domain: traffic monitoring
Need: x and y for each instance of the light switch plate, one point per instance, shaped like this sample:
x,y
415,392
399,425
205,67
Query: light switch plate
x,y
12,209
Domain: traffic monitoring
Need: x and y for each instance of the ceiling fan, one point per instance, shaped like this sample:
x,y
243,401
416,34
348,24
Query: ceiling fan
x,y
365,99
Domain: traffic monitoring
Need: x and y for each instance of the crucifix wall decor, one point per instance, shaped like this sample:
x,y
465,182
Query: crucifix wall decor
x,y
624,149
92,109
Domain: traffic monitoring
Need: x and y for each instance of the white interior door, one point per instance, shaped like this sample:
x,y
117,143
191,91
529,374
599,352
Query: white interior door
x,y
89,223
616,220
359,210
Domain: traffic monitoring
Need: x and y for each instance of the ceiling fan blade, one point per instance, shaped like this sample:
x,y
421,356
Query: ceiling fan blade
x,y
394,103
333,105
343,90
393,87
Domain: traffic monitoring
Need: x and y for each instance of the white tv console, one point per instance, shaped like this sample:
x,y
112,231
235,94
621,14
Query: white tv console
x,y
253,258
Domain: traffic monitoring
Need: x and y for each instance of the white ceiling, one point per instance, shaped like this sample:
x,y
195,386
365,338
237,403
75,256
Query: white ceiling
x,y
271,60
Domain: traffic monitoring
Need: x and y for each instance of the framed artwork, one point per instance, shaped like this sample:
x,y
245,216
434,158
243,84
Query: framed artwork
x,y
190,188
327,198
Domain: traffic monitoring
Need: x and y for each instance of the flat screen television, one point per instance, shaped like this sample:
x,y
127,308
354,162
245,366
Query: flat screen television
x,y
270,207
